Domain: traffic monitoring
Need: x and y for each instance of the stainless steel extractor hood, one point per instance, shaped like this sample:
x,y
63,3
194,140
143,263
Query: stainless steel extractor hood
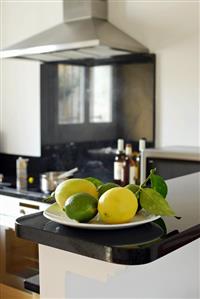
x,y
85,33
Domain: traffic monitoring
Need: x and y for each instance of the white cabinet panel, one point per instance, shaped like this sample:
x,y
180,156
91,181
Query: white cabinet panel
x,y
11,208
172,276
20,79
20,115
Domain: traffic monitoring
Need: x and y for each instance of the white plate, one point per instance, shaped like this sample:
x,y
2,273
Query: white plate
x,y
54,213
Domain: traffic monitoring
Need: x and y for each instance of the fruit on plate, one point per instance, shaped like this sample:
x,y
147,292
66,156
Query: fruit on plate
x,y
136,190
69,187
81,207
95,181
117,205
105,187
132,187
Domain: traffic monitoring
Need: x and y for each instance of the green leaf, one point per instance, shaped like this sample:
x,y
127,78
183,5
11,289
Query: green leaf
x,y
153,171
161,223
50,198
158,184
95,181
154,203
105,187
132,187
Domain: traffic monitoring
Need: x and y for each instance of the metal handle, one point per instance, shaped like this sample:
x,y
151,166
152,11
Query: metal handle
x,y
67,173
30,206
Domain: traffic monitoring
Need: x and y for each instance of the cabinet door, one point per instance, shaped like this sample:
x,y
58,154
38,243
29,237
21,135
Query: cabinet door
x,y
169,168
20,79
20,108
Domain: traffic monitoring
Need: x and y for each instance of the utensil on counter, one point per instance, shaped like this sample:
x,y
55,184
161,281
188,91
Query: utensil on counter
x,y
49,180
68,173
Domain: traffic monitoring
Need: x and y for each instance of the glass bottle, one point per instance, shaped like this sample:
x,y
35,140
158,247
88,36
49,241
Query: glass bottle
x,y
118,161
129,171
141,161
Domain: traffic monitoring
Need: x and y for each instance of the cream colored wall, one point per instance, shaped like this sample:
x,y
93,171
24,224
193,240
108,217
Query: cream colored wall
x,y
20,79
169,29
21,19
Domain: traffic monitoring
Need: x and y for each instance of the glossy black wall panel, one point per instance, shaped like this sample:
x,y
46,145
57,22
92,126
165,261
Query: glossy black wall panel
x,y
132,101
171,168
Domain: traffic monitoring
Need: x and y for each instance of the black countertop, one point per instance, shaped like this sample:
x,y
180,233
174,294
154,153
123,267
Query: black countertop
x,y
25,194
130,246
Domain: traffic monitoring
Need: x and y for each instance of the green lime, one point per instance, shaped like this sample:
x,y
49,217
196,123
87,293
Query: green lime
x,y
132,187
95,181
105,187
72,186
81,207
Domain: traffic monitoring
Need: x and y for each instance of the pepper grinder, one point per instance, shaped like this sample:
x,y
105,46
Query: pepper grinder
x,y
21,171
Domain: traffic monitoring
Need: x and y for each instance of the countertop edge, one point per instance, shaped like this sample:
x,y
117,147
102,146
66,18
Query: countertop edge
x,y
173,153
120,255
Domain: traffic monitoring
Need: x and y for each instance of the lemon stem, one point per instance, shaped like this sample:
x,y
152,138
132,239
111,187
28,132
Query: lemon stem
x,y
148,178
144,183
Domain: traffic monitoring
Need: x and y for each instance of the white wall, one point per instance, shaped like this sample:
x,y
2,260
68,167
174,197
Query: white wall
x,y
169,29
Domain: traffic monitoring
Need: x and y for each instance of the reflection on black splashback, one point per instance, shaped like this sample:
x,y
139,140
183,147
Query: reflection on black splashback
x,y
89,103
70,155
90,158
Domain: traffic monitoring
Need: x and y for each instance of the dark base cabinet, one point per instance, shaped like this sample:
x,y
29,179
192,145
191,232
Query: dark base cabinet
x,y
171,168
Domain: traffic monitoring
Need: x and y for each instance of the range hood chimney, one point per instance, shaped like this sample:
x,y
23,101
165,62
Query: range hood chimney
x,y
85,33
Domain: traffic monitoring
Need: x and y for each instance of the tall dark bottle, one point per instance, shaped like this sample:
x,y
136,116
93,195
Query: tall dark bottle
x,y
129,170
118,162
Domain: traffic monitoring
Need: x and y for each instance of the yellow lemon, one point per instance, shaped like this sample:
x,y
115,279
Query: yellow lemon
x,y
69,187
117,205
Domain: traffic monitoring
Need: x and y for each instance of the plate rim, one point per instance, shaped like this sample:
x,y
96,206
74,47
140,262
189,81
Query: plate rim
x,y
74,223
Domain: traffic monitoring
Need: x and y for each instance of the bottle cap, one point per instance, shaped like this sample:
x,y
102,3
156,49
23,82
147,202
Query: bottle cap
x,y
128,150
21,162
120,145
142,144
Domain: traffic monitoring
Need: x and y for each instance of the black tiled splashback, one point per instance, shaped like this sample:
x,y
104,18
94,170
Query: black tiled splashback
x,y
92,159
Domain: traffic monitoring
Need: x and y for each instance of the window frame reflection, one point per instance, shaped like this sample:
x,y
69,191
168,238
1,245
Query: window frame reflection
x,y
101,83
71,94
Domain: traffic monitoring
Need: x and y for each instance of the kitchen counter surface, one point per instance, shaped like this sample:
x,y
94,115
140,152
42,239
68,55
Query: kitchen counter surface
x,y
26,194
174,152
132,246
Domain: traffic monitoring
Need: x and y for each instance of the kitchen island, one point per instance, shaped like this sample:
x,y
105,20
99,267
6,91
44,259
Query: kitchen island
x,y
139,262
